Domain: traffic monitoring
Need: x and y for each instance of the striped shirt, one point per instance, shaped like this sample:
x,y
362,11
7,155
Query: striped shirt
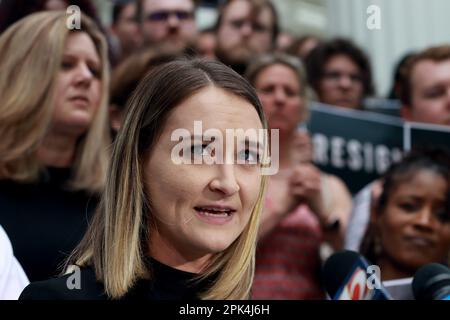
x,y
288,261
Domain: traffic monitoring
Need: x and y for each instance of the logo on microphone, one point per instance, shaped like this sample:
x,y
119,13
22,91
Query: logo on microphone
x,y
362,284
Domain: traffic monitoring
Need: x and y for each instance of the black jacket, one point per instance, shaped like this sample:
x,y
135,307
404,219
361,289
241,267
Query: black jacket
x,y
167,284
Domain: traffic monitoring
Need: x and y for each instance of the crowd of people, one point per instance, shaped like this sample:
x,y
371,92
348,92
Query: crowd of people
x,y
88,181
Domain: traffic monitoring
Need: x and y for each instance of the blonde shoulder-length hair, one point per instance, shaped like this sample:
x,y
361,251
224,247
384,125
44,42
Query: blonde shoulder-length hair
x,y
116,243
30,59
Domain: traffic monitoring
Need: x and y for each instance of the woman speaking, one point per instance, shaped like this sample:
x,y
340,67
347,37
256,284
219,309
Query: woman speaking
x,y
170,229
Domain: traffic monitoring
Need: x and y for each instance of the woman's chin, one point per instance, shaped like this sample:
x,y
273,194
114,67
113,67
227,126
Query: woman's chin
x,y
75,125
216,245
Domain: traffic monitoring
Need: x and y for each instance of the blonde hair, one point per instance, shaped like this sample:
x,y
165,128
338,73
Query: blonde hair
x,y
116,242
30,59
266,60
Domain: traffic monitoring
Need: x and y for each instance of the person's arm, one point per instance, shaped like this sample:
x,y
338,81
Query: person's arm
x,y
338,210
327,197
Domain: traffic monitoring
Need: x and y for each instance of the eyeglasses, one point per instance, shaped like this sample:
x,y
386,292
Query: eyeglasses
x,y
163,15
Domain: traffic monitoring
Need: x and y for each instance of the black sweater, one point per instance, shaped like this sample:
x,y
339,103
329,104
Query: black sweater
x,y
44,221
167,284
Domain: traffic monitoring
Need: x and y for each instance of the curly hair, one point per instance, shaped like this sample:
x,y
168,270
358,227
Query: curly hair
x,y
318,57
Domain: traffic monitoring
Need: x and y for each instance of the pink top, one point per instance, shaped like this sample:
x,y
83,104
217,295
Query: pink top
x,y
288,260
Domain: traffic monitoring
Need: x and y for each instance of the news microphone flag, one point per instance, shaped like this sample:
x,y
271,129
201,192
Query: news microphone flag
x,y
346,278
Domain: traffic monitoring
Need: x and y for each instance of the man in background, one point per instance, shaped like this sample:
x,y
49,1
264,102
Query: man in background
x,y
425,95
125,27
245,29
168,23
425,91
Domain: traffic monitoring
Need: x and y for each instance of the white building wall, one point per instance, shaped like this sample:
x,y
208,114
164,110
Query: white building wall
x,y
406,25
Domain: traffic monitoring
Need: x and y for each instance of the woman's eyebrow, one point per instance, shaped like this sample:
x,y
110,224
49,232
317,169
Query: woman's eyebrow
x,y
202,137
72,55
253,144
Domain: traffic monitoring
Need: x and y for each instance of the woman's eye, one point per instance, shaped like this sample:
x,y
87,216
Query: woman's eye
x,y
95,72
248,156
268,89
199,149
442,214
409,207
66,65
290,92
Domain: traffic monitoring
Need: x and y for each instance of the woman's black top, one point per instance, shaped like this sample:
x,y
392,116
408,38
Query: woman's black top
x,y
167,284
44,221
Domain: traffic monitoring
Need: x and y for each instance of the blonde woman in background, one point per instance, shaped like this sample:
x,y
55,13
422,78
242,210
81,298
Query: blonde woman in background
x,y
54,136
303,206
168,230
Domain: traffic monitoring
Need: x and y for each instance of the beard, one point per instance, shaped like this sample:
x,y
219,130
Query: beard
x,y
236,57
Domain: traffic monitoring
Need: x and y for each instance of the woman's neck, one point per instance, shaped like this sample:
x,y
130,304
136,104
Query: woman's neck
x,y
164,252
57,150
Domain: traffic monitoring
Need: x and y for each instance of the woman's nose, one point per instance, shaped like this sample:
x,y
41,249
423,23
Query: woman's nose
x,y
424,218
83,74
224,180
280,96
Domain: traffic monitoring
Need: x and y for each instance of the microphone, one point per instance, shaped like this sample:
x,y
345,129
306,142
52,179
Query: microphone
x,y
432,282
346,277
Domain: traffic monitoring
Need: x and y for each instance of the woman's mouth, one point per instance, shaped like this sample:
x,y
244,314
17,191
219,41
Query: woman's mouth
x,y
80,100
420,241
215,215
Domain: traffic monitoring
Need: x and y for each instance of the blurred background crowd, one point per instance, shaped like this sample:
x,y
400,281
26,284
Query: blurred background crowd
x,y
53,162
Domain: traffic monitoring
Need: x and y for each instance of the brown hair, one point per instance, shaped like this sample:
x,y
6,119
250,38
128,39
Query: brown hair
x,y
298,43
127,75
318,57
435,54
